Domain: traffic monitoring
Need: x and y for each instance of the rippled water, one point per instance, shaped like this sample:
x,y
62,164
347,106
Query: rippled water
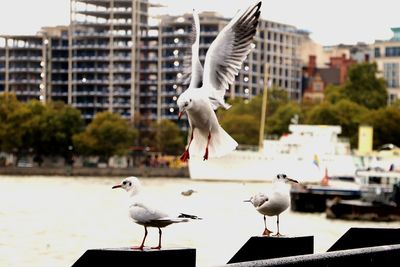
x,y
52,221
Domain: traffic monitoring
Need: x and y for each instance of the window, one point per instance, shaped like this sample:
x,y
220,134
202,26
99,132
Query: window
x,y
377,52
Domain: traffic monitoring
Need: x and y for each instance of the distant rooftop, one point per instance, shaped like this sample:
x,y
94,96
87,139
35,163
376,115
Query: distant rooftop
x,y
396,34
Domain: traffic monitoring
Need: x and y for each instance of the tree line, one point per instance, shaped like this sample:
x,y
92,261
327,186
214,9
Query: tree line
x,y
361,100
57,129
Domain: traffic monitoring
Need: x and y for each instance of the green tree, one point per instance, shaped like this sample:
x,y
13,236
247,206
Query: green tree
x,y
334,93
13,124
278,122
242,120
244,128
52,128
350,115
364,88
168,138
107,135
323,114
386,125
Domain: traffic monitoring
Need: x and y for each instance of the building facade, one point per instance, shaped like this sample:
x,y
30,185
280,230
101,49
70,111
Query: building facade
x,y
110,59
316,79
387,57
22,66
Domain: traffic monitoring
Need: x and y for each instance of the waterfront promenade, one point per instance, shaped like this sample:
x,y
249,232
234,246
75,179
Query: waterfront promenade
x,y
96,171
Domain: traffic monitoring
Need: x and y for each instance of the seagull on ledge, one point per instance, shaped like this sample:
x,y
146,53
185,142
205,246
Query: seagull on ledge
x,y
207,87
274,202
147,216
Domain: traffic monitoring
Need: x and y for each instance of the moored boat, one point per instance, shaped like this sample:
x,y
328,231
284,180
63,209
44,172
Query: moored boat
x,y
380,198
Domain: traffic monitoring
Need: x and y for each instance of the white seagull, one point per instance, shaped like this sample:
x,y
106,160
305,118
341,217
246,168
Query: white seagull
x,y
147,216
207,88
274,202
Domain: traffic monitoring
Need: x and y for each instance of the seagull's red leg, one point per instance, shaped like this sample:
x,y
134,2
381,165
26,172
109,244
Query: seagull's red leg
x,y
159,239
205,157
266,232
185,156
144,238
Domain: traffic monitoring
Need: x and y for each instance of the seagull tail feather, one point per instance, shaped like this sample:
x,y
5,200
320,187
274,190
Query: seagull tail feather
x,y
193,217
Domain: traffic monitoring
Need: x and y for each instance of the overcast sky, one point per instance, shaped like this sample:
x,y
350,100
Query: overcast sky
x,y
330,22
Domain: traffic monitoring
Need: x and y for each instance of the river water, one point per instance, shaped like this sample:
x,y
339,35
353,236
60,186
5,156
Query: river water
x,y
52,221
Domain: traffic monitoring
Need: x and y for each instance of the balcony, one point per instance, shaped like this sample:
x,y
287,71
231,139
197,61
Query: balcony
x,y
59,93
146,94
27,92
149,70
91,58
25,69
59,82
91,46
25,58
90,69
153,82
90,93
88,81
25,81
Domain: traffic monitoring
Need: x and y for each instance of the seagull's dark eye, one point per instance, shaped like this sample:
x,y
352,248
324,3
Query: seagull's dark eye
x,y
124,182
284,175
190,100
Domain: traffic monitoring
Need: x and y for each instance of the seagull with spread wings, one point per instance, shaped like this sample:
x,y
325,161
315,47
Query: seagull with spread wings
x,y
207,87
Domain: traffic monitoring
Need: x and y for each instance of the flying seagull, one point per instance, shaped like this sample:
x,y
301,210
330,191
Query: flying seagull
x,y
207,87
143,214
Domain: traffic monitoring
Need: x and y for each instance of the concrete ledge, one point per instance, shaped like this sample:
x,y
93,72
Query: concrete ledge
x,y
179,257
367,237
262,247
387,256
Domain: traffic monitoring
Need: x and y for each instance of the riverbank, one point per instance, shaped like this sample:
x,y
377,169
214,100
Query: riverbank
x,y
86,171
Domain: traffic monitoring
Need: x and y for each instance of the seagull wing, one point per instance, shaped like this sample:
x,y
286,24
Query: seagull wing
x,y
193,70
227,53
143,213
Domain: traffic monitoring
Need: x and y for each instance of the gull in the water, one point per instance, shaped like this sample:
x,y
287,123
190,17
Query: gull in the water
x,y
143,214
207,87
274,202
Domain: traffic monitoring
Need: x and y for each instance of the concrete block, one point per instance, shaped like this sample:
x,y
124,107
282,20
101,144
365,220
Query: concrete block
x,y
115,257
367,237
263,247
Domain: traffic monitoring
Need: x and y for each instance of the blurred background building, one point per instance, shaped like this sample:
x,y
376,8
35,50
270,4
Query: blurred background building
x,y
110,58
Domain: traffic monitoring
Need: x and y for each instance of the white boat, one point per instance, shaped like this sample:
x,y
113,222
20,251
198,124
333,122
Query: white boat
x,y
303,154
377,186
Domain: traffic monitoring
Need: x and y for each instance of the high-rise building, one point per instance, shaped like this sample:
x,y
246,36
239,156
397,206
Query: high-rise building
x,y
387,58
110,59
22,66
104,46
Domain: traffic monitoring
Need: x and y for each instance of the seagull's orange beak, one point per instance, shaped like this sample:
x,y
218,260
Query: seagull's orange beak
x,y
117,186
180,113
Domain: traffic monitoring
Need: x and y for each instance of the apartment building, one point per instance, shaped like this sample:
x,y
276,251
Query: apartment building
x,y
110,58
22,65
387,57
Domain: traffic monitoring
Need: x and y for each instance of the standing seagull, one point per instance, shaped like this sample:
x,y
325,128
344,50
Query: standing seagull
x,y
207,88
274,203
144,215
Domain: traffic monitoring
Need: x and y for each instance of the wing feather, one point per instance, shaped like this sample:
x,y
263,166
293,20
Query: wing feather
x,y
193,70
228,51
